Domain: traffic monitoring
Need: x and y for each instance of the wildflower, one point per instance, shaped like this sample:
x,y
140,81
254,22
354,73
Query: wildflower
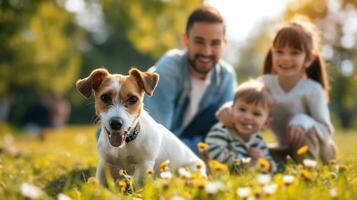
x,y
264,164
150,172
302,150
200,183
270,189
122,185
308,163
31,191
289,159
246,160
333,175
243,192
202,146
62,196
164,166
92,180
166,175
264,179
341,168
199,166
218,166
288,179
176,197
333,192
213,187
306,175
184,173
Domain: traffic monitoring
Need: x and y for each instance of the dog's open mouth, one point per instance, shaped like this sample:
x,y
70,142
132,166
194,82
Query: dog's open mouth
x,y
116,138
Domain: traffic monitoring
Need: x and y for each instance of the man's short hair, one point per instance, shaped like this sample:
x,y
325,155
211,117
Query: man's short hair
x,y
204,13
255,92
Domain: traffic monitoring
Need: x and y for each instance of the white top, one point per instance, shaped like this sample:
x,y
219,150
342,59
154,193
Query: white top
x,y
198,88
304,105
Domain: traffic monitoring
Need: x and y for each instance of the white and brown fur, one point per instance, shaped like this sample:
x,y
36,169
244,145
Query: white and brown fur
x,y
154,143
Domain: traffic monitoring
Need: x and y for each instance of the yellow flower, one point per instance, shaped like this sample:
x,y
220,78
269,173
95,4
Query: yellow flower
x,y
306,174
164,165
198,165
92,180
302,150
218,166
150,172
122,185
202,146
201,183
264,164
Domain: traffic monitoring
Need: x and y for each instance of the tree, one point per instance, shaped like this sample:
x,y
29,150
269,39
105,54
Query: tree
x,y
38,52
40,48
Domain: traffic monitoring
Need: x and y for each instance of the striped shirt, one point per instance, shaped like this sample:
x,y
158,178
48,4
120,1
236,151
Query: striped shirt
x,y
227,147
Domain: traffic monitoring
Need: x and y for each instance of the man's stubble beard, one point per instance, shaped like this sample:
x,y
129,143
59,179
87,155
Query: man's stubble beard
x,y
199,70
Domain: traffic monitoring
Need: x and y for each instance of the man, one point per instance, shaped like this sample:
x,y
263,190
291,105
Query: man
x,y
194,82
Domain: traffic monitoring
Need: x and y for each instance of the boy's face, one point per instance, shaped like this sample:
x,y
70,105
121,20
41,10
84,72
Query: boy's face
x,y
249,118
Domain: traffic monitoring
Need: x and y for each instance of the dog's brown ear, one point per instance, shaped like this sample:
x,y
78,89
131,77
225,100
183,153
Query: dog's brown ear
x,y
92,82
146,80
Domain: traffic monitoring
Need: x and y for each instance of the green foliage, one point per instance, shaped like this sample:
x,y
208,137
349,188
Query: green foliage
x,y
57,166
153,27
40,51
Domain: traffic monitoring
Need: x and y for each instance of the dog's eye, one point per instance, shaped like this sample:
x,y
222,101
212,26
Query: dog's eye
x,y
106,98
132,100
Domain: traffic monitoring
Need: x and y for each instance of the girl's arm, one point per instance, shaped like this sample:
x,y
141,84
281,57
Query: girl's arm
x,y
317,116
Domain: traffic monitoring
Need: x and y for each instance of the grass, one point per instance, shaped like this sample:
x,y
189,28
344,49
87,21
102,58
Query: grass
x,y
64,161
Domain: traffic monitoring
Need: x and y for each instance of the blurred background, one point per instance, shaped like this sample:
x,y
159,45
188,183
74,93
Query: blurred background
x,y
46,45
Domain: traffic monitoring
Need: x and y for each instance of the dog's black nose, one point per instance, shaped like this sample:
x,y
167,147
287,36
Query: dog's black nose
x,y
116,123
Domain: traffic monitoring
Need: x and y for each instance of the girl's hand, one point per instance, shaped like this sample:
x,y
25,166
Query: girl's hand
x,y
255,154
224,115
296,136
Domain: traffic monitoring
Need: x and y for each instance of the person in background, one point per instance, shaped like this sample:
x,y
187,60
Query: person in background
x,y
49,111
194,82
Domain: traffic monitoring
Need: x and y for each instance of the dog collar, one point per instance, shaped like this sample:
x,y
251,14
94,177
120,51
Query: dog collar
x,y
133,133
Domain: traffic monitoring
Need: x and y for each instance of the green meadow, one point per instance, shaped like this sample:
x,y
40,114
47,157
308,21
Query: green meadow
x,y
61,165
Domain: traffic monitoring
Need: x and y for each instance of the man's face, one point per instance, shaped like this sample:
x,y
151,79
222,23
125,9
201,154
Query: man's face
x,y
205,42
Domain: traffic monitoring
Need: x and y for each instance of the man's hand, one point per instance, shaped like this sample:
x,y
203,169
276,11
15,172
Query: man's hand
x,y
224,115
296,136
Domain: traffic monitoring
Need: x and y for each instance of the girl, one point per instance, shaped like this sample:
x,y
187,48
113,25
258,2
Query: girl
x,y
297,76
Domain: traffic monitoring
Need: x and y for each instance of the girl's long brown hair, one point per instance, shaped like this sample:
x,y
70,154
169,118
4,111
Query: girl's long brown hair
x,y
303,35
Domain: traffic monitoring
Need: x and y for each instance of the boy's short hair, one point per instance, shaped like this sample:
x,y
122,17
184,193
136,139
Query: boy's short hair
x,y
204,13
254,91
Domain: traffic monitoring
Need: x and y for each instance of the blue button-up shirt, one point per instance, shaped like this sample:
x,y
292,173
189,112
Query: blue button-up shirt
x,y
172,94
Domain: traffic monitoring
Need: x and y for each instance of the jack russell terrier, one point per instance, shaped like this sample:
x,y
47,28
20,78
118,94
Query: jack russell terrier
x,y
130,139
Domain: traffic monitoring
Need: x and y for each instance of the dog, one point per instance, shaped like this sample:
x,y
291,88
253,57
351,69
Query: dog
x,y
130,139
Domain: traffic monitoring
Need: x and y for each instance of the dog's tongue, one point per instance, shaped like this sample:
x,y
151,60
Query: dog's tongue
x,y
116,139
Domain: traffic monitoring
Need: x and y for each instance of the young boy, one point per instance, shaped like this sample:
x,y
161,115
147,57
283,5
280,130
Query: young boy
x,y
251,107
